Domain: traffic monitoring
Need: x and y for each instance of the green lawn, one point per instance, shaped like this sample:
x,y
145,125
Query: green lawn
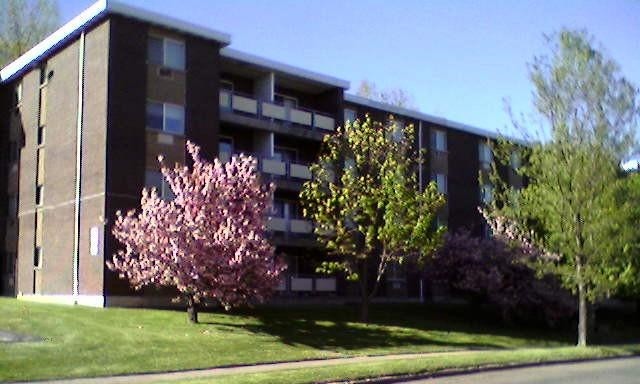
x,y
82,341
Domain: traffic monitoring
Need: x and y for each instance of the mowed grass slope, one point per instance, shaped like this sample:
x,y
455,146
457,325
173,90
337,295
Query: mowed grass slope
x,y
80,341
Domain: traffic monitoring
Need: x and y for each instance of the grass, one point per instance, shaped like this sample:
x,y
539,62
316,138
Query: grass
x,y
423,365
82,342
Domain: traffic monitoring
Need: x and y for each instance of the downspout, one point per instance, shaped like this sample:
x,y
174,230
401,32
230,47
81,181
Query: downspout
x,y
78,186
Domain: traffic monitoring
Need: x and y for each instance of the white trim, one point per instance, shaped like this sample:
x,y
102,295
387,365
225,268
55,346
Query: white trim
x,y
279,67
78,170
88,17
359,100
85,300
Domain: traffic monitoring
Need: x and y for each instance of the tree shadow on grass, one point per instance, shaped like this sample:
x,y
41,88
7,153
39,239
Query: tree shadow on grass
x,y
392,327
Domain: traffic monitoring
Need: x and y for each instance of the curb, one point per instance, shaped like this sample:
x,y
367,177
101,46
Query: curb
x,y
478,369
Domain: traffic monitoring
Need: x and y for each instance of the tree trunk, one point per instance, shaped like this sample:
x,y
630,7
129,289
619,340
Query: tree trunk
x,y
364,292
192,310
582,315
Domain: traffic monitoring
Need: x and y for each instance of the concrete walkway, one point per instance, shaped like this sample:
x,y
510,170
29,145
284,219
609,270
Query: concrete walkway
x,y
203,373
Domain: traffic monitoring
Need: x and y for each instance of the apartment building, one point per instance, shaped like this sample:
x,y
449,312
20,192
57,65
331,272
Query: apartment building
x,y
86,112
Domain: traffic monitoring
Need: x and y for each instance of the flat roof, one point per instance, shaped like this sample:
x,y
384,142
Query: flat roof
x,y
354,99
283,68
95,12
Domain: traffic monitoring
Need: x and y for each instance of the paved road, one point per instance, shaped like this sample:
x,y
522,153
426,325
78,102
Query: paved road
x,y
618,371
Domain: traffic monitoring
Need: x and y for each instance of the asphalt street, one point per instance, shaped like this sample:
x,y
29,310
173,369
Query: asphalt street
x,y
616,371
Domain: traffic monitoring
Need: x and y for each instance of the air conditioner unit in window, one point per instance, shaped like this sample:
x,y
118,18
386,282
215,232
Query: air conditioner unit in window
x,y
165,72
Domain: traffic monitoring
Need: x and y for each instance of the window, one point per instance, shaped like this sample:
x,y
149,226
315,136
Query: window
x,y
154,179
486,193
12,212
165,117
286,209
439,140
225,144
441,181
13,151
285,154
349,115
226,85
278,208
166,52
486,156
398,130
287,101
515,160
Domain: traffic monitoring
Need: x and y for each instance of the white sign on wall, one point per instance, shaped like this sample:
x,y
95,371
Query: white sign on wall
x,y
95,245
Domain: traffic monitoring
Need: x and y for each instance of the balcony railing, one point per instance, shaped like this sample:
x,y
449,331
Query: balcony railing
x,y
294,226
307,284
269,110
276,167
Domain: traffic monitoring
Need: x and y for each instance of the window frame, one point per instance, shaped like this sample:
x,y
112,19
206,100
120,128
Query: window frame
x,y
164,191
164,63
355,115
434,139
444,189
164,117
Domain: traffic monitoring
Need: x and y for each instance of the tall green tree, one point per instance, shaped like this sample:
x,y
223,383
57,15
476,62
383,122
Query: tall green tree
x,y
394,96
24,23
590,111
366,204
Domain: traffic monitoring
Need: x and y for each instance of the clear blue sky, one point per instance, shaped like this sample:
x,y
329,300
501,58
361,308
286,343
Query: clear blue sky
x,y
459,59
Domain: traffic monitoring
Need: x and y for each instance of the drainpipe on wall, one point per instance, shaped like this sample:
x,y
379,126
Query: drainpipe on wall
x,y
78,186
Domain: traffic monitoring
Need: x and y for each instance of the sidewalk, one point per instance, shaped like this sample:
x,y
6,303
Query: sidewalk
x,y
212,372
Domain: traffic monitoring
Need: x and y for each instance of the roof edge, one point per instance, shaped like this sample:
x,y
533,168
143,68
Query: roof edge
x,y
284,68
53,40
96,10
355,99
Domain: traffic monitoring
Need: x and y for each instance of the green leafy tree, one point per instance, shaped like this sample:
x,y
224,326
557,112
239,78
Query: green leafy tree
x,y
393,96
366,204
23,24
568,206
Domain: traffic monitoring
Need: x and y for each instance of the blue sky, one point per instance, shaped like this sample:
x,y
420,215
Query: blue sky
x,y
459,59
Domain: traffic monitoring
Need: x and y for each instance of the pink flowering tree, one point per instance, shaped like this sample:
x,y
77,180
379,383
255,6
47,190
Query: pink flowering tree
x,y
208,242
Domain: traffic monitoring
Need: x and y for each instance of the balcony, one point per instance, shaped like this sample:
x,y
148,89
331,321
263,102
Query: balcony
x,y
307,284
293,226
275,167
247,105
